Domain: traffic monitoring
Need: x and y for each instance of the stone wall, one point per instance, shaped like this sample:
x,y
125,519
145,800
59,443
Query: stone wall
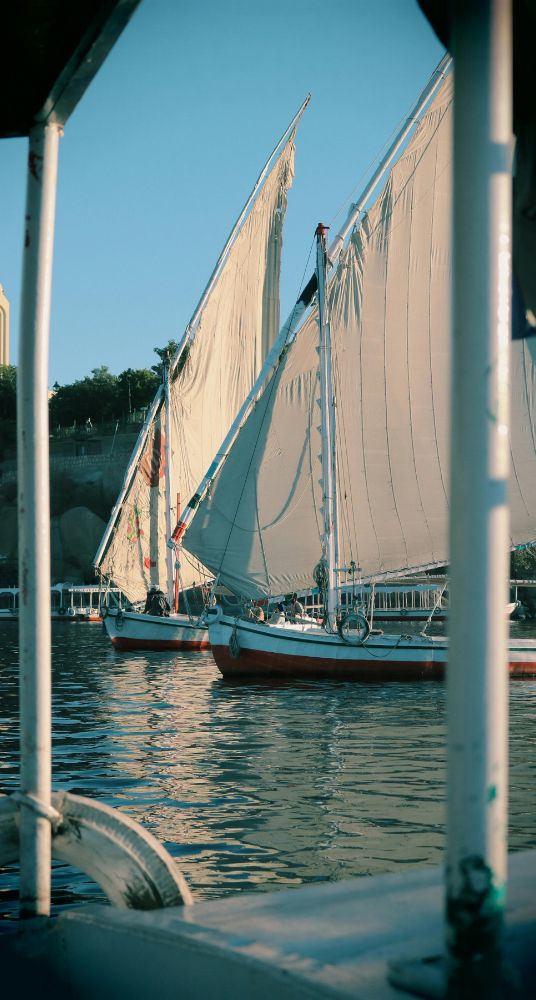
x,y
83,492
110,469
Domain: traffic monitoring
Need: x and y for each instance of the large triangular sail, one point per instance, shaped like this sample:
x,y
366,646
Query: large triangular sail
x,y
260,526
219,362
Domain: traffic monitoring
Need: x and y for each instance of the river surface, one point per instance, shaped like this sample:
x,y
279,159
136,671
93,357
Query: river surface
x,y
251,786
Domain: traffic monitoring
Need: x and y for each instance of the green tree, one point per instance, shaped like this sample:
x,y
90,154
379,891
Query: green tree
x,y
136,388
8,392
103,397
166,354
523,563
94,398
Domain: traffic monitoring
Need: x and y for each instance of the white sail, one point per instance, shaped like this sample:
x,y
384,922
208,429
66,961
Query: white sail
x,y
237,326
260,526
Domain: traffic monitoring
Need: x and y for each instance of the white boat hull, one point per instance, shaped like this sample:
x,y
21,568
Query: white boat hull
x,y
245,649
132,630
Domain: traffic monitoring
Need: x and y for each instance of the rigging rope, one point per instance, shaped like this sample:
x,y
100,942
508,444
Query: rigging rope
x,y
434,609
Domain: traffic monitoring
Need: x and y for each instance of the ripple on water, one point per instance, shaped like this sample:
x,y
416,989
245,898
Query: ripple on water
x,y
252,786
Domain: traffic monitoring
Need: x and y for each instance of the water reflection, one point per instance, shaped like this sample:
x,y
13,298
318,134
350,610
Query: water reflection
x,y
252,786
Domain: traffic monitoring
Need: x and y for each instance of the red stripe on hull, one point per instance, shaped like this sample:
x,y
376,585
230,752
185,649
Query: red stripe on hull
x,y
255,663
522,670
123,642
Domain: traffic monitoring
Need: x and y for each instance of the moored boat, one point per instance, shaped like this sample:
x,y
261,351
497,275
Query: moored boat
x,y
68,602
402,601
215,365
132,630
334,478
246,649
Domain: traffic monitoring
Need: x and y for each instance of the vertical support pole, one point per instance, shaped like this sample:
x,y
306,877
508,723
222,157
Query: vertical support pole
x,y
477,672
34,518
177,563
170,561
327,428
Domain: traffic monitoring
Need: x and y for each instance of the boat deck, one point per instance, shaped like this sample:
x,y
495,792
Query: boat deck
x,y
335,940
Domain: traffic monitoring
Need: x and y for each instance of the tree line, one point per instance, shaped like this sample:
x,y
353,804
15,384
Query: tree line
x,y
99,397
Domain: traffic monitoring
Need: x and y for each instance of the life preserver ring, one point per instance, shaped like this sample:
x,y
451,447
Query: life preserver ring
x,y
131,867
71,612
353,628
62,610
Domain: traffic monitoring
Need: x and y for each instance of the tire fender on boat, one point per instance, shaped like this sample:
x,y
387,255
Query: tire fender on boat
x,y
234,645
126,861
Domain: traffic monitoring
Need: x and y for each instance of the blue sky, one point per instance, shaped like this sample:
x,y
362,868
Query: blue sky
x,y
161,153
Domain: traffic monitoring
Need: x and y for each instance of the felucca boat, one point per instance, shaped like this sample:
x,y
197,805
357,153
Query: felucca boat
x,y
343,463
218,360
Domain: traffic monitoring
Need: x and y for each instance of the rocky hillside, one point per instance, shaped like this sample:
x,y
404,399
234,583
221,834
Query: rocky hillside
x,y
79,513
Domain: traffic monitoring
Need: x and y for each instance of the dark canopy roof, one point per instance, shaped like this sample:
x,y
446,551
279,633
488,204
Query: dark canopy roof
x,y
51,50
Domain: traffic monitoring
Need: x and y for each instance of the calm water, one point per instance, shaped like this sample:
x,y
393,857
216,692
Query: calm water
x,y
251,787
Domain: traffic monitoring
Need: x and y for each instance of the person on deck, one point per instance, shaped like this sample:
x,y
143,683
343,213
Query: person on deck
x,y
293,608
156,603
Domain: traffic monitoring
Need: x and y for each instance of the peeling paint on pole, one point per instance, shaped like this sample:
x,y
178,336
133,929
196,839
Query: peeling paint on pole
x,y
477,684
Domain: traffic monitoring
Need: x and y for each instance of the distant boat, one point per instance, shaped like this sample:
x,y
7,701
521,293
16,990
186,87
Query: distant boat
x,y
68,602
410,601
218,360
342,466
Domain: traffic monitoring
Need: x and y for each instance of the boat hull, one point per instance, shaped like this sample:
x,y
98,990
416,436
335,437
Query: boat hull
x,y
244,649
132,630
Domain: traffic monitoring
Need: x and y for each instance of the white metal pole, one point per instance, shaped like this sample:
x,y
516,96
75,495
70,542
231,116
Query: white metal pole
x,y
327,429
477,670
34,521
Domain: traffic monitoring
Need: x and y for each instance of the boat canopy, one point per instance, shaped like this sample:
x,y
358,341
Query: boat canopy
x,y
50,53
